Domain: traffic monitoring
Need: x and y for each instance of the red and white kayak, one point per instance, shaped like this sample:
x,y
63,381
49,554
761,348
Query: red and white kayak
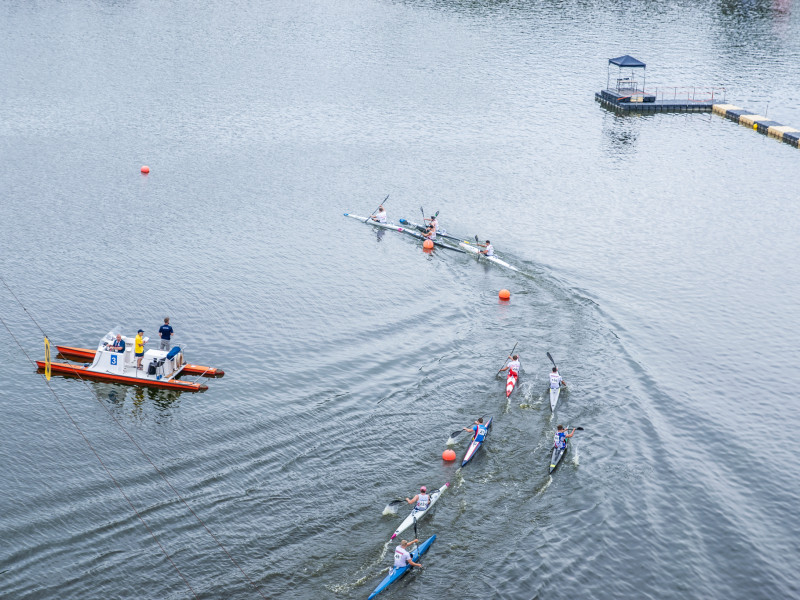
x,y
511,382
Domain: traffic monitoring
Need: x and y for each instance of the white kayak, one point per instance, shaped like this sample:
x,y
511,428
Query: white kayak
x,y
554,397
410,232
474,250
418,514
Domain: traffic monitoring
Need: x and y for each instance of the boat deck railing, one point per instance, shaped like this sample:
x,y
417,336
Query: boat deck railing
x,y
688,93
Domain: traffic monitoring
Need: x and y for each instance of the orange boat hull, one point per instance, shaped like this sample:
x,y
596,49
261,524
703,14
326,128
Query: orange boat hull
x,y
73,353
81,373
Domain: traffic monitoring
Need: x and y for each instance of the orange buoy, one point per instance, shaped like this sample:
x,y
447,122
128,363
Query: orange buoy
x,y
427,244
145,169
504,294
449,454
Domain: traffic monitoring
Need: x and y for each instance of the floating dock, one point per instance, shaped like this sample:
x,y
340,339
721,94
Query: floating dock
x,y
760,123
637,101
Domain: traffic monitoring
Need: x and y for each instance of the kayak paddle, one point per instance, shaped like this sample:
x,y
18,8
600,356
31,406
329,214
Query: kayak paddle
x,y
376,210
552,361
460,431
510,354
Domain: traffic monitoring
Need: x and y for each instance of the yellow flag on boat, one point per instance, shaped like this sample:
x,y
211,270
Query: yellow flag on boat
x,y
46,358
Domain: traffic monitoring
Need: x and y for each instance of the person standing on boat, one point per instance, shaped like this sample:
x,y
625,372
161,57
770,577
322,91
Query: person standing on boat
x,y
422,499
138,348
166,332
402,557
556,380
478,430
118,345
514,366
381,216
488,249
560,439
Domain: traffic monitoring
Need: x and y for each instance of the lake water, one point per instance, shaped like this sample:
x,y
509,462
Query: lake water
x,y
660,271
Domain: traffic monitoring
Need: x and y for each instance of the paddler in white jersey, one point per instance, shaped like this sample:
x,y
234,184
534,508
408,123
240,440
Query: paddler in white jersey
x,y
513,366
422,499
433,228
488,249
402,557
556,380
381,216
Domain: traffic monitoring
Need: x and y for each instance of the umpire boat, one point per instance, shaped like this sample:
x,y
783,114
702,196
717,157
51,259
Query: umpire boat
x,y
160,368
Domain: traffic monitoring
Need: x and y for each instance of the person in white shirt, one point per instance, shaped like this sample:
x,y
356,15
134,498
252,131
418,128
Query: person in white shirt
x,y
433,228
556,380
402,557
422,499
513,366
488,248
381,216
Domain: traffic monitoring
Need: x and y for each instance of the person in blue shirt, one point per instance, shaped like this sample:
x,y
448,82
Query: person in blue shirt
x,y
166,333
478,430
560,438
118,345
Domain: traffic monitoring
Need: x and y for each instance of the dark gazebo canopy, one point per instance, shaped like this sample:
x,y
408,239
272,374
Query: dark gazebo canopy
x,y
626,80
627,61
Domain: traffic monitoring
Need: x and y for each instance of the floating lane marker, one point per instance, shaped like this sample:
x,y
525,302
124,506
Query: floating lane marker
x,y
760,123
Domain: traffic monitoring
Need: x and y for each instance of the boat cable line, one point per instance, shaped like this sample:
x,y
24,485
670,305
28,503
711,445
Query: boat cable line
x,y
135,443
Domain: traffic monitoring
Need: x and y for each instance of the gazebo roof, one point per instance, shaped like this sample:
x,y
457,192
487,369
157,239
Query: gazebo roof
x,y
626,61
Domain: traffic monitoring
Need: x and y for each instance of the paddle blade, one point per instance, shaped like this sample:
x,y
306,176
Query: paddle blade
x,y
390,509
551,360
579,429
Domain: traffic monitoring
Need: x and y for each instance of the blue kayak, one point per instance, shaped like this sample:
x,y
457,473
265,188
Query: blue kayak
x,y
396,573
476,444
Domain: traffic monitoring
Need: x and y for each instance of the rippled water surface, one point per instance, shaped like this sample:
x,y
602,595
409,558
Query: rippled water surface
x,y
658,259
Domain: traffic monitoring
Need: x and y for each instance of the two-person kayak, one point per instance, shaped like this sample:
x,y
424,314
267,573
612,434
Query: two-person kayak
x,y
476,443
409,231
397,572
416,514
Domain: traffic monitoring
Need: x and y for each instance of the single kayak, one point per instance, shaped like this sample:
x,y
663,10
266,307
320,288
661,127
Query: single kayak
x,y
476,444
558,454
399,229
511,382
474,250
397,572
416,515
554,392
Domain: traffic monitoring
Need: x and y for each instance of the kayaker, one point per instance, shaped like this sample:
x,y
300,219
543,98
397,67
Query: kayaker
x,y
118,345
556,380
422,499
402,557
560,439
138,348
381,216
433,228
488,249
478,430
514,366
